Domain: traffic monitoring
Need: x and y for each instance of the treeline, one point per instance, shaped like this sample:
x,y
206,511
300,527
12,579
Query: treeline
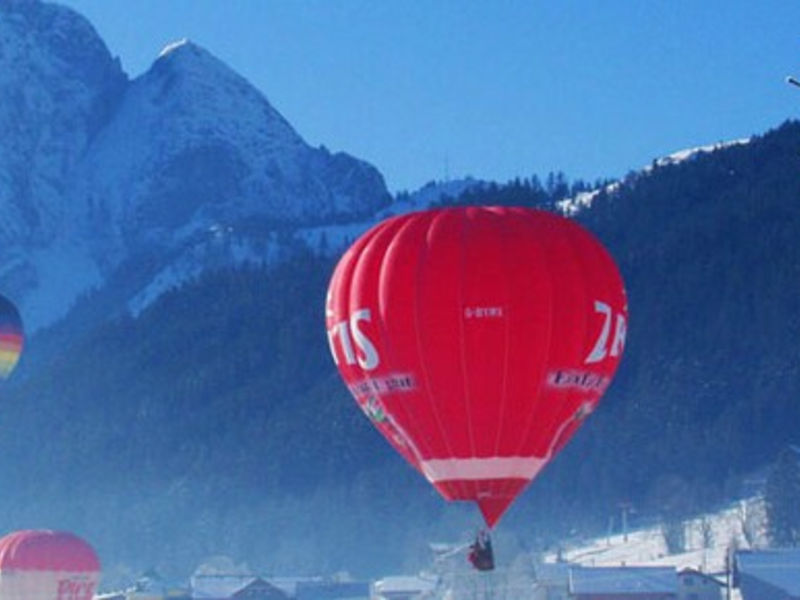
x,y
708,389
214,422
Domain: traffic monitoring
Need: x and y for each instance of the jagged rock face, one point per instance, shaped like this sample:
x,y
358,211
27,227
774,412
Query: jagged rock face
x,y
96,169
58,85
194,144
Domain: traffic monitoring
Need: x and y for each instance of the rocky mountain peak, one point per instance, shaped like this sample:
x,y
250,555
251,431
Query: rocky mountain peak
x,y
59,85
98,170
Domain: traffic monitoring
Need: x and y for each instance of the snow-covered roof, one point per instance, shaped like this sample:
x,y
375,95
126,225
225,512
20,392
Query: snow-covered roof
x,y
688,572
219,586
623,580
777,567
404,583
223,585
332,590
743,522
290,585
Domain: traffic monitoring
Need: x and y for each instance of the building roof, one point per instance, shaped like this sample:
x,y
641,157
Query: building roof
x,y
332,590
777,567
224,585
689,572
289,584
404,584
227,586
261,589
623,580
219,586
553,573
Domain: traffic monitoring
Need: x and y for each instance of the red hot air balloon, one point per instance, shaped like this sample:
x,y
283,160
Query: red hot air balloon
x,y
47,565
477,340
11,337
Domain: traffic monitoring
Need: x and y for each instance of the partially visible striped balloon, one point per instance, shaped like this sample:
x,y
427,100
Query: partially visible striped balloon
x,y
477,340
11,337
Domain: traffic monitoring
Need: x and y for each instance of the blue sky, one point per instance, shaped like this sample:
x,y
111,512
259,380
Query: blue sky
x,y
429,89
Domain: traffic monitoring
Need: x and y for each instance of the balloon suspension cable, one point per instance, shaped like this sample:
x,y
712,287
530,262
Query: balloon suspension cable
x,y
793,81
583,411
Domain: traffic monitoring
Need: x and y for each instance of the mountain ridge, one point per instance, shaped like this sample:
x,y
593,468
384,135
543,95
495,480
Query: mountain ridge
x,y
121,167
177,399
218,413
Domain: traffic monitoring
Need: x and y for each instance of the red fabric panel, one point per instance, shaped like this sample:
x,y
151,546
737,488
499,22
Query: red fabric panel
x,y
44,550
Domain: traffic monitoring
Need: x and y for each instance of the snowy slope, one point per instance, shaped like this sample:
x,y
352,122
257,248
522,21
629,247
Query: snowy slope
x,y
59,84
574,205
98,172
194,140
336,237
690,153
708,540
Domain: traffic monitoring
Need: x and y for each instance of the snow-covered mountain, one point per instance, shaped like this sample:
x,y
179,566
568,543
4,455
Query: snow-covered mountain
x,y
97,170
153,180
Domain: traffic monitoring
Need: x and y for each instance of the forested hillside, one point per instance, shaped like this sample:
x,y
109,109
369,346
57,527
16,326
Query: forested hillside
x,y
708,389
214,422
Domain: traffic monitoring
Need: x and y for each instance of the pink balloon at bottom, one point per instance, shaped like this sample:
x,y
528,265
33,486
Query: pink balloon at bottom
x,y
47,565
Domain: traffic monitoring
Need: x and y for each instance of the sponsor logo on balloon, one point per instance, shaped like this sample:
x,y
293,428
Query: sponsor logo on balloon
x,y
606,345
72,589
374,410
382,418
483,312
348,338
580,380
383,385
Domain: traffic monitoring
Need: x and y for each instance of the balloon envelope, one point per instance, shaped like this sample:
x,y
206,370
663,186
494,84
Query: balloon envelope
x,y
47,565
11,337
477,340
